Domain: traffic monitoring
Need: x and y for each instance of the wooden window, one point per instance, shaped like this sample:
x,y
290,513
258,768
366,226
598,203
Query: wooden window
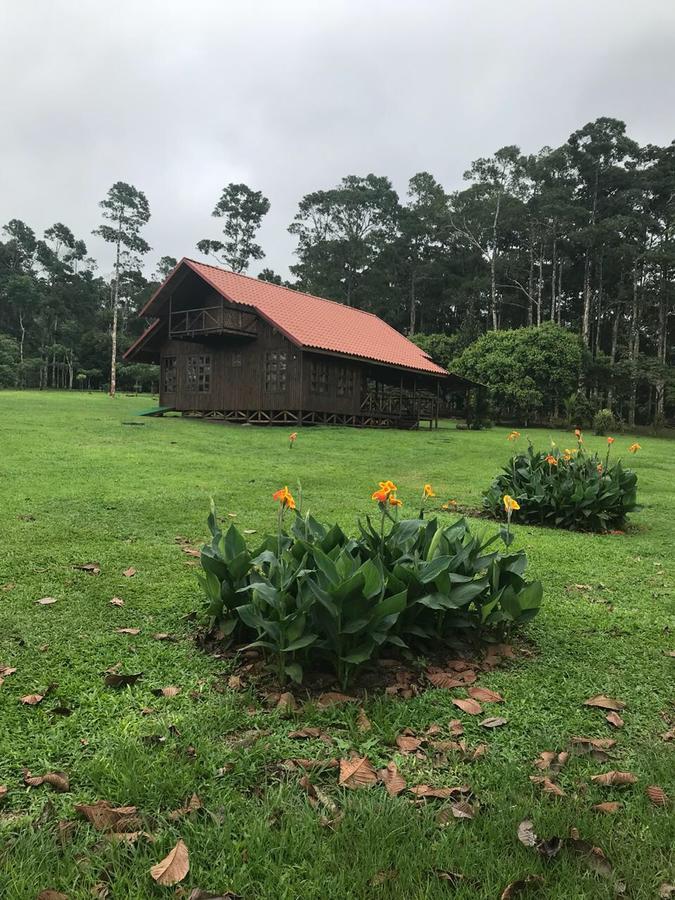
x,y
169,374
275,370
345,381
319,378
198,374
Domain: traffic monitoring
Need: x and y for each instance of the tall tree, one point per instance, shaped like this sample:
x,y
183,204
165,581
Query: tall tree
x,y
243,210
165,265
125,211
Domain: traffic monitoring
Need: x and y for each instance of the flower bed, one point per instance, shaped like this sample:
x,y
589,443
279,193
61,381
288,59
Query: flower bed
x,y
570,489
312,594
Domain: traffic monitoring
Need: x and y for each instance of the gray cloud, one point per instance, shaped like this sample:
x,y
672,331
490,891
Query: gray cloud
x,y
180,98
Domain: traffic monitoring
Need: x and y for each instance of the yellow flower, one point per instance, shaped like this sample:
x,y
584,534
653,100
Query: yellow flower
x,y
388,486
567,456
449,504
394,501
510,504
284,496
428,491
610,440
600,468
514,436
551,460
634,448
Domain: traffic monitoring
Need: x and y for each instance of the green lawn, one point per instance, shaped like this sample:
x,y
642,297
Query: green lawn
x,y
77,485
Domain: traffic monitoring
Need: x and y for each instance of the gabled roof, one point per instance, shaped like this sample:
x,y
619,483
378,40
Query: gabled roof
x,y
308,321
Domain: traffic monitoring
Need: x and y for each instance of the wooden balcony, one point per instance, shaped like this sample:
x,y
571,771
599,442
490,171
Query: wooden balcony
x,y
207,320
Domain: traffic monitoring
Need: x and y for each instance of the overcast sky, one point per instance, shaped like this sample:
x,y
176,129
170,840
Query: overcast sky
x,y
180,98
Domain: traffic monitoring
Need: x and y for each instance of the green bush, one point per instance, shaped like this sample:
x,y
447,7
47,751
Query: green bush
x,y
604,421
574,489
313,595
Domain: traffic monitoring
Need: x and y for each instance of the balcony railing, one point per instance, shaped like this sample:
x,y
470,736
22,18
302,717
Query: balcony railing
x,y
211,320
397,404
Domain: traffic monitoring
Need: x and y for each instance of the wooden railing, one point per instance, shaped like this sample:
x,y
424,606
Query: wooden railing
x,y
395,404
211,320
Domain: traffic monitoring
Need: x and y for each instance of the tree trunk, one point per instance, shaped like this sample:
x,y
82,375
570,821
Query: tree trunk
x,y
540,281
530,277
634,348
412,304
612,353
662,345
493,267
586,321
554,262
113,342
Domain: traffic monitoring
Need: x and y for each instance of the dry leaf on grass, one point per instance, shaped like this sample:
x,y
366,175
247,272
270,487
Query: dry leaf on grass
x,y
666,891
174,867
447,680
193,805
456,727
551,761
129,573
120,679
169,691
32,699
392,780
3,790
594,857
363,723
117,601
526,833
494,722
407,743
56,780
317,799
459,810
383,876
657,795
614,778
612,806
522,886
49,894
603,702
163,636
309,733
286,702
427,791
7,670
93,568
105,817
485,695
46,601
331,698
132,631
547,785
468,706
357,772
614,719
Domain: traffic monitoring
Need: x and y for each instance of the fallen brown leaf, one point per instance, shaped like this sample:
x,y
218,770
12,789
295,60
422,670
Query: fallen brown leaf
x,y
46,601
170,691
468,706
117,601
446,680
357,772
657,795
287,702
173,868
614,719
105,817
392,780
521,886
666,891
614,778
603,702
32,699
7,670
163,636
553,761
383,876
612,806
3,790
526,833
594,857
485,695
56,780
119,679
93,568
132,631
406,743
317,799
547,785
331,698
129,573
49,894
363,723
494,722
309,733
193,805
427,791
456,727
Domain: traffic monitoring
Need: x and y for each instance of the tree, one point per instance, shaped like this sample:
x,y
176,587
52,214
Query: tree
x,y
9,358
165,266
243,210
127,210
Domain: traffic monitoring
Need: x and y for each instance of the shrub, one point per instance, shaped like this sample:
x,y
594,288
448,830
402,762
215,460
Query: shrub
x,y
574,489
311,594
604,421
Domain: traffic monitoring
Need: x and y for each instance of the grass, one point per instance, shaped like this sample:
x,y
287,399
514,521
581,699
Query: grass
x,y
79,485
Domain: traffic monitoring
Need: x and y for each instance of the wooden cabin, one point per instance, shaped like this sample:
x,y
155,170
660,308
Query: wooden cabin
x,y
240,349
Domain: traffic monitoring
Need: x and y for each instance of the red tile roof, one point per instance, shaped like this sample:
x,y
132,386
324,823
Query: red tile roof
x,y
314,322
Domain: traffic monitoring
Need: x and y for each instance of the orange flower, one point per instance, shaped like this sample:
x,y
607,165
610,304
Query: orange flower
x,y
284,496
428,491
387,486
600,468
551,460
380,496
394,501
510,504
634,448
610,440
579,435
514,436
293,436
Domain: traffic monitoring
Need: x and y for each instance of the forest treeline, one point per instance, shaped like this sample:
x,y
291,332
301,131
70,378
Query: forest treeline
x,y
579,235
